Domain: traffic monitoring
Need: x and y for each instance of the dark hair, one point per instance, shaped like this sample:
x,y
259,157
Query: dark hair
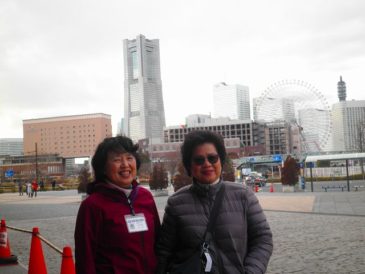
x,y
118,144
199,137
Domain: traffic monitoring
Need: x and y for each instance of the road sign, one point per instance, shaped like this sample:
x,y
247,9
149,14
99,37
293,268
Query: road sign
x,y
9,173
277,158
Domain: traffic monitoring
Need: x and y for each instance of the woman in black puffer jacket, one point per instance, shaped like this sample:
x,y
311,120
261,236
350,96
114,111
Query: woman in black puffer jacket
x,y
241,240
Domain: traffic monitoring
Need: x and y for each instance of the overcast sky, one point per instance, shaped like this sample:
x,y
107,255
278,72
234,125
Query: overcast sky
x,y
66,57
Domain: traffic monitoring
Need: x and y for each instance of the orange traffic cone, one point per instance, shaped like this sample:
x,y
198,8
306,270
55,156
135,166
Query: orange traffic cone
x,y
5,254
256,188
67,265
272,187
37,265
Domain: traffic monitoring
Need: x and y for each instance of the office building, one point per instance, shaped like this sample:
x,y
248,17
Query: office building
x,y
68,136
226,127
24,167
11,146
348,122
144,115
282,138
273,109
231,101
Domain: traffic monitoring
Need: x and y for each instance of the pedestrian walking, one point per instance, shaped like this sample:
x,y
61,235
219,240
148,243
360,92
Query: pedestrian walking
x,y
28,187
34,188
20,187
53,184
41,185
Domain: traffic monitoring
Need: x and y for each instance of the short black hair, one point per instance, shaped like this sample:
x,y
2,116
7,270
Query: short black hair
x,y
118,144
197,138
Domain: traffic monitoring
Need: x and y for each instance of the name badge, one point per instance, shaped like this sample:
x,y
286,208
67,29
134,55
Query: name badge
x,y
136,223
208,262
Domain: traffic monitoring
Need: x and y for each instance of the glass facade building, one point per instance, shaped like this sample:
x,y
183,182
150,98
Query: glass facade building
x,y
11,146
231,101
348,119
144,115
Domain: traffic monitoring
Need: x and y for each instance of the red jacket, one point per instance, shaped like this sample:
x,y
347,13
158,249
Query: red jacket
x,y
102,241
34,186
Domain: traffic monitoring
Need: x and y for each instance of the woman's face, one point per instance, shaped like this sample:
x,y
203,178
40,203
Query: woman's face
x,y
205,164
121,168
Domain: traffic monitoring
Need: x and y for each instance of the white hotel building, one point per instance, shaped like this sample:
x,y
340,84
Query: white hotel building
x,y
348,120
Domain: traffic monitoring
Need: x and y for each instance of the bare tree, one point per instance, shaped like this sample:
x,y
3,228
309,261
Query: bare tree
x,y
158,179
181,178
228,171
84,178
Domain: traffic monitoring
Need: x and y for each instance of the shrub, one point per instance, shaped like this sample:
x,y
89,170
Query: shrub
x,y
290,172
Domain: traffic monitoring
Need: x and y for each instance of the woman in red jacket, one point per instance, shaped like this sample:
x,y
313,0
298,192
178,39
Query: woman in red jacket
x,y
117,224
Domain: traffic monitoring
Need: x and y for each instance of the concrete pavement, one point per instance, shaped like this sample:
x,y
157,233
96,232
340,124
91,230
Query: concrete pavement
x,y
319,232
345,203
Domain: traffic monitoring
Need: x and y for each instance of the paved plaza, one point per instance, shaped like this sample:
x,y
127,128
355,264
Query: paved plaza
x,y
320,232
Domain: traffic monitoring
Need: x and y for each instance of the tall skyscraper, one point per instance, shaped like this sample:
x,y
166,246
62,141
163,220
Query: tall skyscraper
x,y
144,115
341,90
231,101
348,119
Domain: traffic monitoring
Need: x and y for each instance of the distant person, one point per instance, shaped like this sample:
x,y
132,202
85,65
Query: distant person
x,y
20,187
41,185
53,184
34,188
240,241
28,189
118,222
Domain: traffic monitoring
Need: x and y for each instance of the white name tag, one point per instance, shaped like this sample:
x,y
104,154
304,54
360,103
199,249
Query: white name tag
x,y
209,262
136,223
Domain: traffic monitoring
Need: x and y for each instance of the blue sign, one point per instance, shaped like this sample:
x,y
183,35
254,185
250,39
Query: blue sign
x,y
277,158
9,173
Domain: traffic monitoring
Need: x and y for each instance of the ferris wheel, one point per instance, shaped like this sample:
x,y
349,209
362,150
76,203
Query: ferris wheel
x,y
298,103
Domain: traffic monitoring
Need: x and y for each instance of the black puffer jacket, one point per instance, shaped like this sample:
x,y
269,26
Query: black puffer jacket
x,y
243,240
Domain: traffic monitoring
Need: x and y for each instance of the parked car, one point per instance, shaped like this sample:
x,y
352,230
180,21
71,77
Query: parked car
x,y
253,180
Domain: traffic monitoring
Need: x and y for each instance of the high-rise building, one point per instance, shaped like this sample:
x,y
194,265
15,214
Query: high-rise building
x,y
69,136
231,101
273,109
144,114
11,146
341,90
348,120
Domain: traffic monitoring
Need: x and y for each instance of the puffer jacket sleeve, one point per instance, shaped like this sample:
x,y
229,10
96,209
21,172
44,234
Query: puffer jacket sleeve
x,y
167,239
260,243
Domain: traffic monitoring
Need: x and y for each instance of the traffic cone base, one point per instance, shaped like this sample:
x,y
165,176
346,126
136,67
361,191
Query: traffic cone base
x,y
67,265
5,254
12,259
37,264
272,187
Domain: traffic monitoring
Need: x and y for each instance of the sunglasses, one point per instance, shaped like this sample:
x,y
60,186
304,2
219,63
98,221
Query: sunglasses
x,y
200,160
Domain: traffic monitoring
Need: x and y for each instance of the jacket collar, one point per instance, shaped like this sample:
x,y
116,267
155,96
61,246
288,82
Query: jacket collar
x,y
113,192
206,190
